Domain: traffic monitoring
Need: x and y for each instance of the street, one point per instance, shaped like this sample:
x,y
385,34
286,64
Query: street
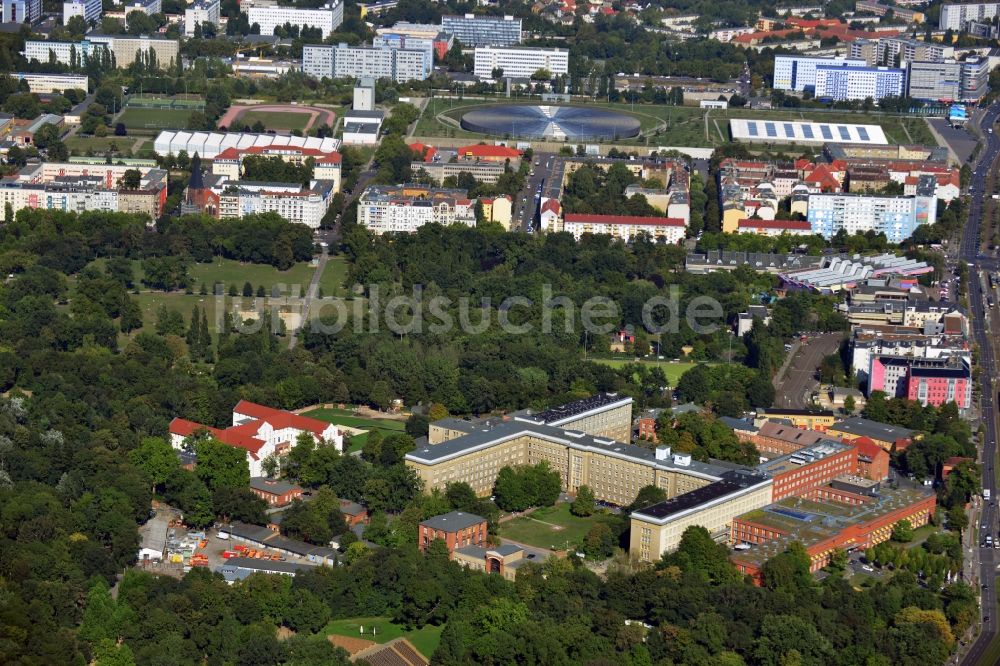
x,y
970,253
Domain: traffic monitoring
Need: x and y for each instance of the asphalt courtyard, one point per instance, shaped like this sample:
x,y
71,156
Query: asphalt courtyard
x,y
798,381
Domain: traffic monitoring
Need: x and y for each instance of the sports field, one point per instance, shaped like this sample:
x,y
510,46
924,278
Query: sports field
x,y
276,120
153,120
552,527
425,639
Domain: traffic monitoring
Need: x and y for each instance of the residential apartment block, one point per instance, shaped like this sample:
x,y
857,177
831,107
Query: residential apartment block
x,y
441,41
88,10
625,227
52,83
934,80
929,381
296,203
840,83
21,11
895,216
958,16
327,18
77,188
127,50
375,62
326,164
66,53
406,208
202,11
897,51
407,43
798,73
520,62
474,31
261,431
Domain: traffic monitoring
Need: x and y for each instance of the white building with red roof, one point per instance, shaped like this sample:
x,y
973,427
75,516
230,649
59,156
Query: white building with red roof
x,y
626,227
261,431
550,215
326,163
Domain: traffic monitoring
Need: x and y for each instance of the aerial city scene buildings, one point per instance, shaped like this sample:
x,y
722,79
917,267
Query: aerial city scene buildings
x,y
400,333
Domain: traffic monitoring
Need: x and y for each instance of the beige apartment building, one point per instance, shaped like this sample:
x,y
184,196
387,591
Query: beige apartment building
x,y
658,529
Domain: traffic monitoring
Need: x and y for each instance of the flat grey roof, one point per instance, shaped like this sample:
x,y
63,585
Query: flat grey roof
x,y
254,564
873,429
275,486
506,430
455,520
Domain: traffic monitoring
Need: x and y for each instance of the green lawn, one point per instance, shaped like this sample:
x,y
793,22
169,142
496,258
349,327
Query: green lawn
x,y
101,145
151,301
152,120
672,370
570,531
275,120
425,639
229,272
332,282
346,418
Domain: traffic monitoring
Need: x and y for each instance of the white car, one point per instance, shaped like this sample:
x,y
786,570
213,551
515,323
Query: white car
x,y
867,567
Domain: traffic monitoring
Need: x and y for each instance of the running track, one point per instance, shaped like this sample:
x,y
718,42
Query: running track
x,y
317,116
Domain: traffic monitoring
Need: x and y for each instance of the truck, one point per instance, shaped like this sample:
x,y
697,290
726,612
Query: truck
x,y
986,494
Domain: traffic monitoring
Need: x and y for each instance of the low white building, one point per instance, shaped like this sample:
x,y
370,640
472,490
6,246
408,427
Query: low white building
x,y
361,128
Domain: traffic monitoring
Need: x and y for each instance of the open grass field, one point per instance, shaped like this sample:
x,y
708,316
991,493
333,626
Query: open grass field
x,y
425,639
672,370
552,527
86,144
345,417
276,120
153,120
229,272
686,125
332,282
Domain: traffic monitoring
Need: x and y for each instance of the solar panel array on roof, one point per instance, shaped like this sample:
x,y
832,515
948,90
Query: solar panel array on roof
x,y
808,131
752,127
771,130
825,131
844,134
863,133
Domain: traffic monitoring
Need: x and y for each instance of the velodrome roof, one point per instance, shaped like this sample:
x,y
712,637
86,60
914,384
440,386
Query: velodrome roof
x,y
805,132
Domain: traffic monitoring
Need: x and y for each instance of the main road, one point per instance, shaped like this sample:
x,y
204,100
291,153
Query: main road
x,y
970,253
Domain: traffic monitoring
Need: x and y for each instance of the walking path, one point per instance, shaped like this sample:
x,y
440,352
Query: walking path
x,y
311,294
